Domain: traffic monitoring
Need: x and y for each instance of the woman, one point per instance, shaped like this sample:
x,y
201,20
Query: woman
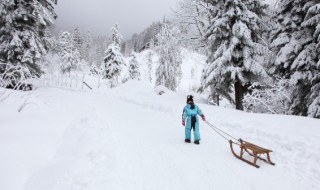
x,y
190,114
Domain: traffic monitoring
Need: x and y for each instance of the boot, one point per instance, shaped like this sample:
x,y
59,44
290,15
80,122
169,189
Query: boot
x,y
196,142
187,141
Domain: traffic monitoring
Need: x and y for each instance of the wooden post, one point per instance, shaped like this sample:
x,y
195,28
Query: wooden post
x,y
70,81
77,80
99,80
82,81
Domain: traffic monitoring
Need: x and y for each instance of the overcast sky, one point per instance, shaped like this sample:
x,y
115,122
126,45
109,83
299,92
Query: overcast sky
x,y
99,16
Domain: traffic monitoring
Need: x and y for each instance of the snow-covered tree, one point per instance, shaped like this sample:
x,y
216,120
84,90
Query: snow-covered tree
x,y
77,39
138,41
88,48
134,69
150,65
94,70
113,60
23,37
312,21
69,56
169,71
314,100
116,37
128,48
99,50
112,64
295,40
236,46
191,16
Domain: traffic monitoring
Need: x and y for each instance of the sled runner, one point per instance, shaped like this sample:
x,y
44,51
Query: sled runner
x,y
253,150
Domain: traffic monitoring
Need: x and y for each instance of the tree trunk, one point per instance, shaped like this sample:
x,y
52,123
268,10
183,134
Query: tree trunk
x,y
218,99
239,91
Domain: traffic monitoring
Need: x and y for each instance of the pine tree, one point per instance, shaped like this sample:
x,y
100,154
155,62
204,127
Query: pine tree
x,y
312,22
236,46
150,65
295,41
88,54
134,70
169,71
69,56
148,35
23,37
77,39
116,37
99,50
113,58
128,48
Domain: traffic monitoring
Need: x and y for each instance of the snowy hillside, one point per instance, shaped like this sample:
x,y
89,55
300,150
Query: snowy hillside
x,y
131,138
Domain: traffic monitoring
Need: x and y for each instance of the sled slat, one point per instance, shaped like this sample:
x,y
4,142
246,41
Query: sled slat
x,y
253,150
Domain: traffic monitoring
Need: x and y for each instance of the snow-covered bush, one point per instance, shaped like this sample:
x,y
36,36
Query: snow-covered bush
x,y
94,70
160,90
15,77
268,99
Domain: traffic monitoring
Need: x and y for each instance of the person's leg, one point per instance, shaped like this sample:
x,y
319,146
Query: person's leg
x,y
188,131
197,132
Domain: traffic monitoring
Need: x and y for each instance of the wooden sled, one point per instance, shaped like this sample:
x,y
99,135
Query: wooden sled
x,y
252,150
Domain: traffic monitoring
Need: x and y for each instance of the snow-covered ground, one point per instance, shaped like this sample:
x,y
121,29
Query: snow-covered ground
x,y
131,138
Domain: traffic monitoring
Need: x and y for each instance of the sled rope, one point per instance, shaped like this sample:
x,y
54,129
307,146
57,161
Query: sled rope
x,y
219,132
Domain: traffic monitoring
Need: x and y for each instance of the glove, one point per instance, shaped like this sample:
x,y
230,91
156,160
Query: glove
x,y
183,122
203,117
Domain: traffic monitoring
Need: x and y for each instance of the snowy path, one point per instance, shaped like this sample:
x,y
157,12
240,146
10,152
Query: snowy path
x,y
134,140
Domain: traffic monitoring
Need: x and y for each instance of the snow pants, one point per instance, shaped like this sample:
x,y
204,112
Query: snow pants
x,y
192,124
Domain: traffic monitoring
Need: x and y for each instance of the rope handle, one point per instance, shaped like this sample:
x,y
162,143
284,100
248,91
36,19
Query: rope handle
x,y
219,131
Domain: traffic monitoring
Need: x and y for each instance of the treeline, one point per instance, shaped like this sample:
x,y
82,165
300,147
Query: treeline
x,y
260,58
268,59
138,41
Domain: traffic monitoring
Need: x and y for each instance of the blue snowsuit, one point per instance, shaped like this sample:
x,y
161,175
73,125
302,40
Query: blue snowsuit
x,y
192,121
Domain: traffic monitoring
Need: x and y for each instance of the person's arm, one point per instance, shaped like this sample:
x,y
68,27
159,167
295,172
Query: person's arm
x,y
201,114
184,116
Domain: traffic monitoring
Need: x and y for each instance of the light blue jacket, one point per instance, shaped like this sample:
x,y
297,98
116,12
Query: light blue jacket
x,y
187,113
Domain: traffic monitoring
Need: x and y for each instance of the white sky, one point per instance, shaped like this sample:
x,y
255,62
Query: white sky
x,y
99,16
